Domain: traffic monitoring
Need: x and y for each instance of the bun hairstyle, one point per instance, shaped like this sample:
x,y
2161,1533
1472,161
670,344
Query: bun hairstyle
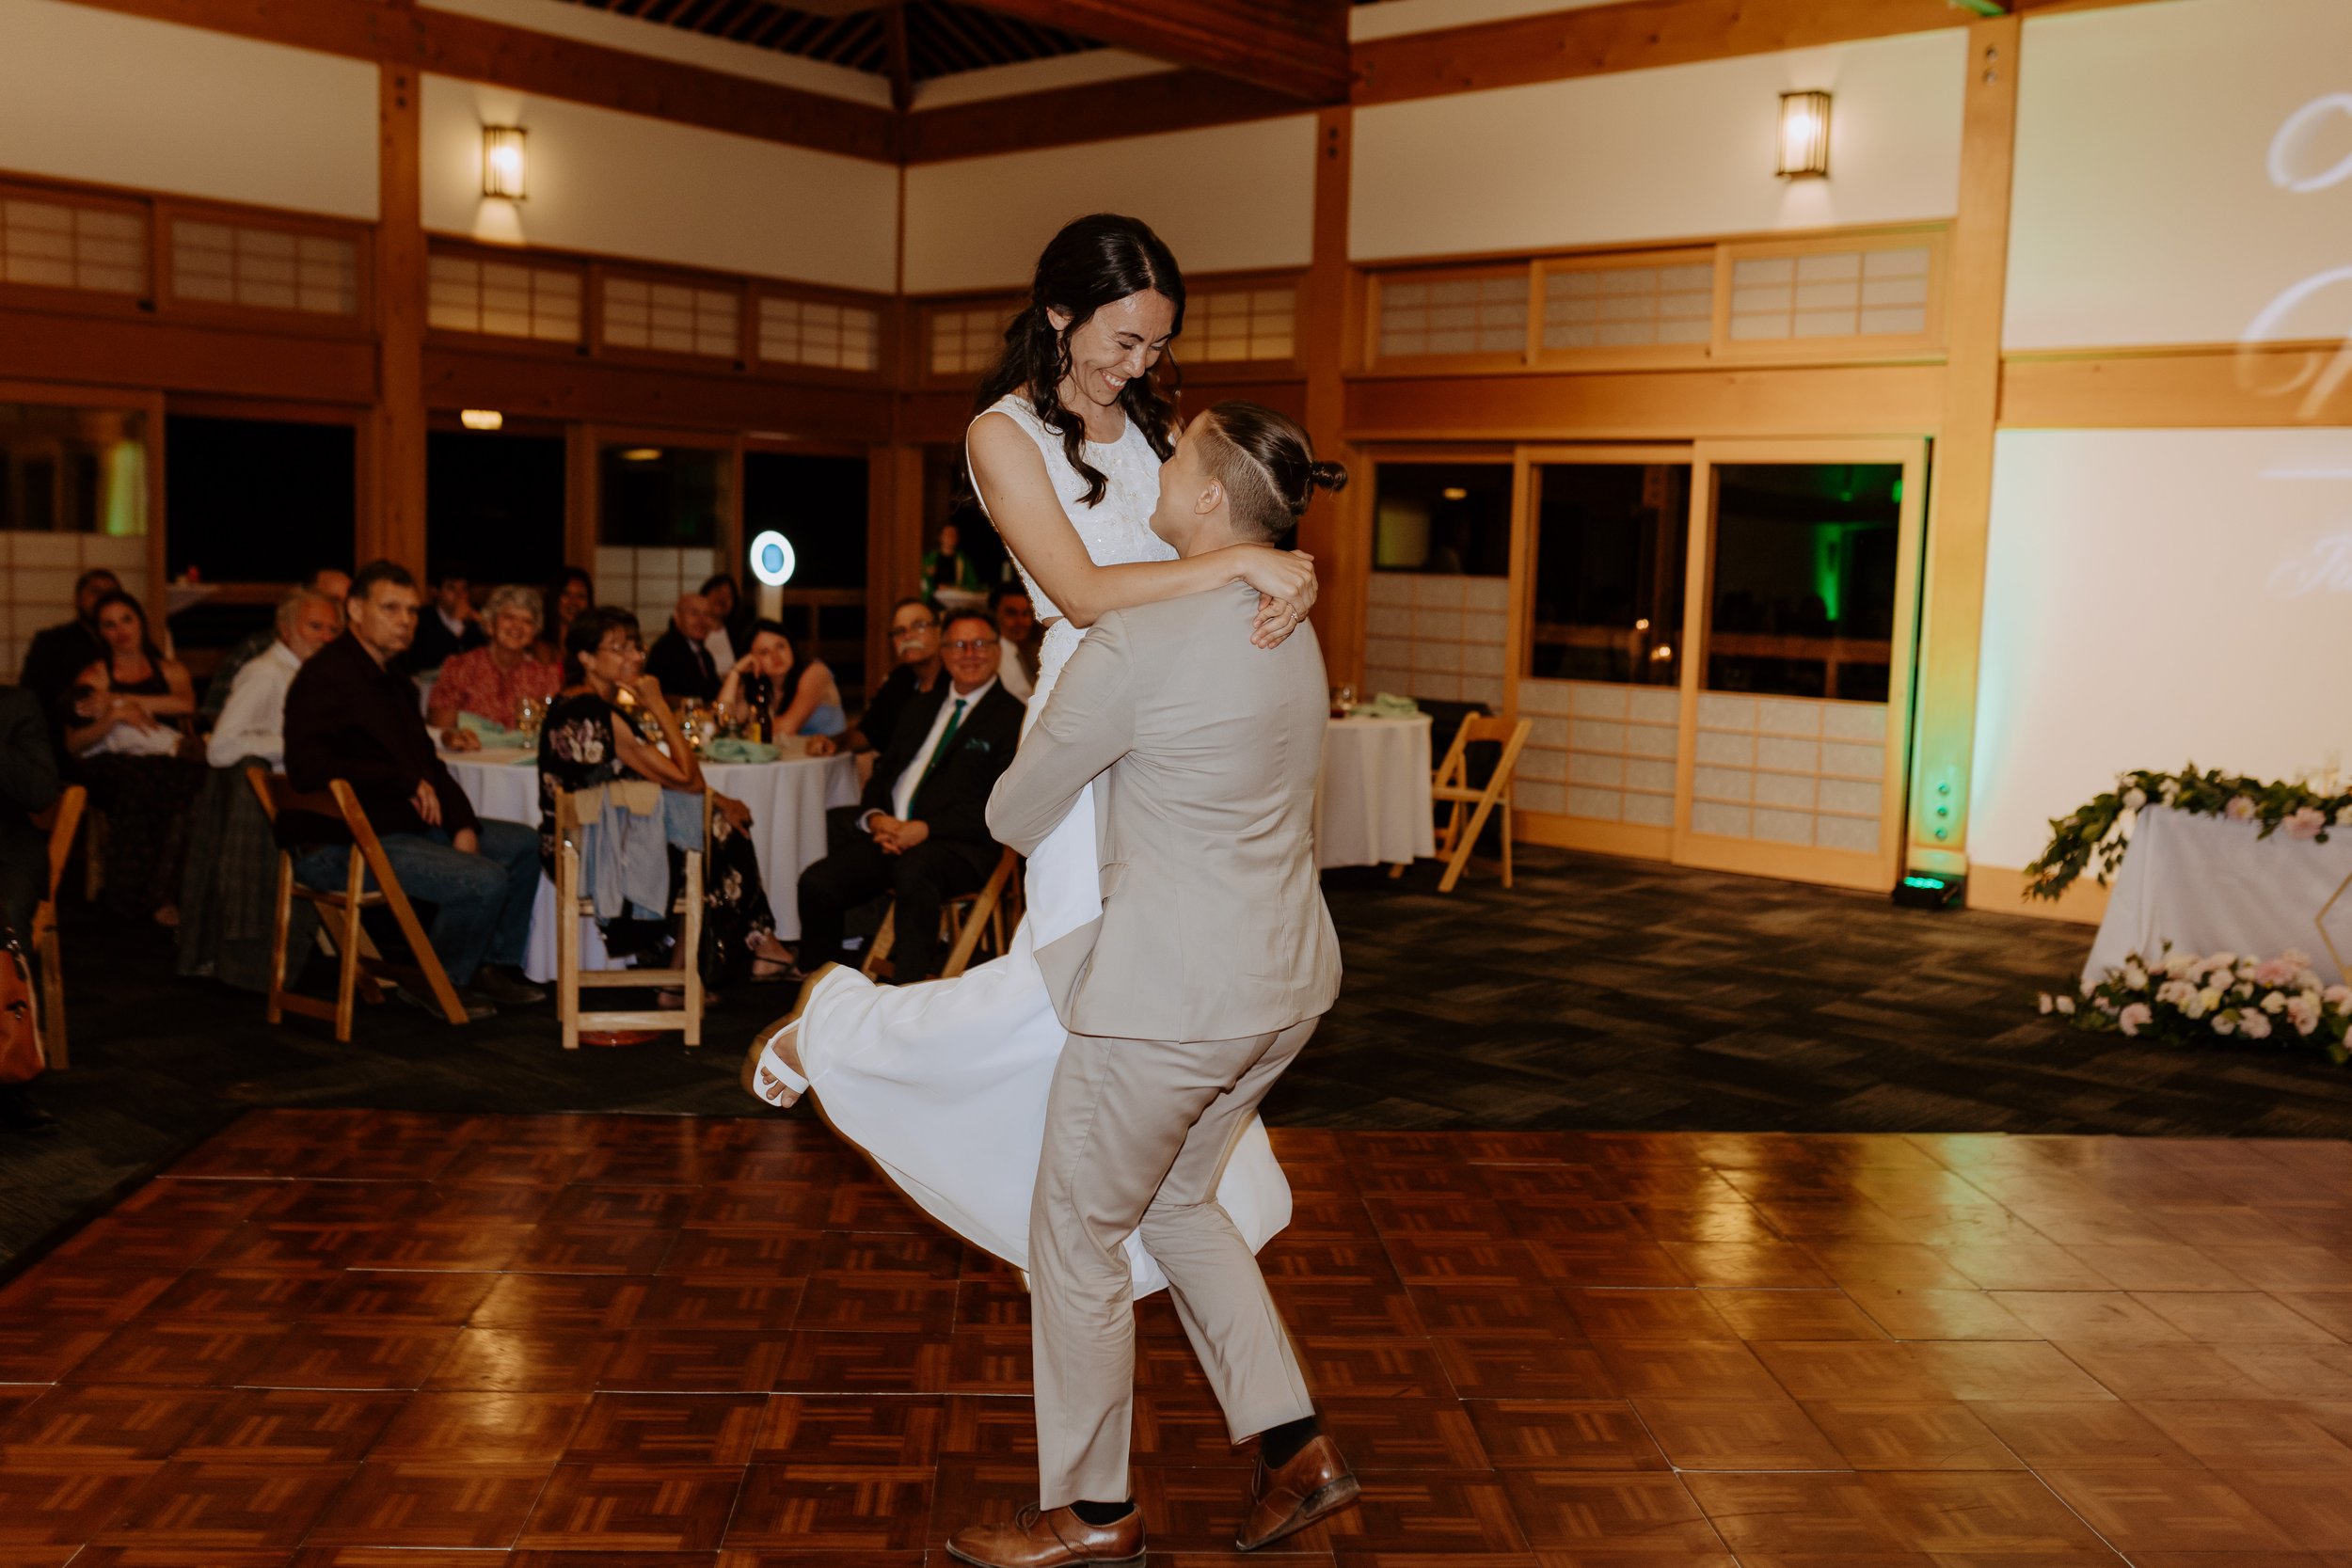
x,y
1267,466
1094,261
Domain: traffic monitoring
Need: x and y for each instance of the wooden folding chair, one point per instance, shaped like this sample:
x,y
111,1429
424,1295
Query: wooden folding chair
x,y
359,968
572,905
964,920
64,817
1452,786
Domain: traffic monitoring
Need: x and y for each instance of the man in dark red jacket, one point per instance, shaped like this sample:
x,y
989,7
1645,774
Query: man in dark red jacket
x,y
352,715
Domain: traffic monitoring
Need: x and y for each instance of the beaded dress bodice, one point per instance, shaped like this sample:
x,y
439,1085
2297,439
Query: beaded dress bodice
x,y
1118,529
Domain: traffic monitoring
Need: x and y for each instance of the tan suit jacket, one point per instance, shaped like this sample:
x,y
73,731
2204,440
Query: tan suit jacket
x,y
1214,926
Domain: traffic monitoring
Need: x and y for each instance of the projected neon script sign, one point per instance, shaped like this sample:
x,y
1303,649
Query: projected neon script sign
x,y
2297,165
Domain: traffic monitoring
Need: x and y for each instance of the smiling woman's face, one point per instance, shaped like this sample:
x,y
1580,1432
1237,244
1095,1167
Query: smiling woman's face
x,y
1118,343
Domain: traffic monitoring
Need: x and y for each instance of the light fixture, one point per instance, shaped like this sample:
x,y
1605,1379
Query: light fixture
x,y
502,162
1455,493
772,559
640,454
1804,136
481,419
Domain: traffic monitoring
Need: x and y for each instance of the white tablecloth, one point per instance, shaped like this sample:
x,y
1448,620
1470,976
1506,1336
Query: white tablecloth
x,y
2209,885
1373,807
789,800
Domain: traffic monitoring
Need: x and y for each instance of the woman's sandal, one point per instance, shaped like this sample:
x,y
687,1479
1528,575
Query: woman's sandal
x,y
765,1073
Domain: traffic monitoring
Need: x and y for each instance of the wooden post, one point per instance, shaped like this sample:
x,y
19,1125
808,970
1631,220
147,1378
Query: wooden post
x,y
894,549
1961,501
1336,530
393,524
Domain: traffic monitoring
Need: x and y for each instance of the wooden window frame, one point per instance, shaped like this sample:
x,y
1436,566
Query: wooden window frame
x,y
1224,371
746,327
89,302
1448,364
1927,344
169,211
149,405
1642,356
886,344
587,508
440,244
927,312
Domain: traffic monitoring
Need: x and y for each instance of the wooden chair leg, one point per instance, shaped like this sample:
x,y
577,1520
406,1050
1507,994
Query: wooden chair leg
x,y
347,971
567,941
52,989
1465,845
690,950
412,929
1506,841
885,935
281,926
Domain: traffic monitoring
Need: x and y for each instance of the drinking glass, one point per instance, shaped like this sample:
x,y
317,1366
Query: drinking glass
x,y
1342,700
529,714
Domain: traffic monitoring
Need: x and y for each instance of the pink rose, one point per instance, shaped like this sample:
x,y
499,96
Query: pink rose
x,y
2307,822
2275,972
2256,1026
2135,1018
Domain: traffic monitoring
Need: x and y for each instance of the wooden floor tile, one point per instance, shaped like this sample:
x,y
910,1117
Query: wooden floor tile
x,y
1796,1314
189,1505
1913,1312
518,1361
2242,1432
690,1301
1644,1512
167,1354
497,1428
1712,1434
2173,1510
100,1424
1563,1434
64,1504
1872,1435
668,1428
242,1298
2083,1435
832,1508
351,1354
898,1434
1382,1434
1507,1366
88,1293
664,1507
472,1503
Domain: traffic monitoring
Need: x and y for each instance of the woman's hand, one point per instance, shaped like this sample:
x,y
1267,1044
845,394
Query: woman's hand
x,y
647,688
1276,621
819,745
733,810
131,711
1285,575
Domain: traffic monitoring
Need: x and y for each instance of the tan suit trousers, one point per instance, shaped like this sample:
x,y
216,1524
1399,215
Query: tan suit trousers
x,y
1137,1133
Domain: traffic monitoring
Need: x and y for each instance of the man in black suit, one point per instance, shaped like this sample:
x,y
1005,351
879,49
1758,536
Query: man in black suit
x,y
921,832
677,658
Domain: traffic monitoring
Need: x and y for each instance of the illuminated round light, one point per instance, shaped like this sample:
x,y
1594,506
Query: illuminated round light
x,y
772,559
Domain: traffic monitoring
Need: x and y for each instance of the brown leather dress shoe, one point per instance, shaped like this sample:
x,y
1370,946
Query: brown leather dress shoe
x,y
1056,1539
1314,1485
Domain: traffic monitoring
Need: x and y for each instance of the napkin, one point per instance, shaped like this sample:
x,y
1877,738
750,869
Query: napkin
x,y
728,748
493,738
1388,704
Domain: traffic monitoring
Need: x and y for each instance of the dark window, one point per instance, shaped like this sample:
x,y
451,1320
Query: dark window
x,y
494,506
1803,602
1447,518
654,496
1611,542
818,503
258,500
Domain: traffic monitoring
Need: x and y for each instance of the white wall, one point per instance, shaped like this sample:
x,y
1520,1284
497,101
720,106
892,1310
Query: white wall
x,y
621,184
1226,199
2155,597
117,99
2146,207
1659,154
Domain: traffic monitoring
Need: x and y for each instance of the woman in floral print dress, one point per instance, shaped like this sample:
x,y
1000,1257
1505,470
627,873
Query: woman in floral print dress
x,y
588,739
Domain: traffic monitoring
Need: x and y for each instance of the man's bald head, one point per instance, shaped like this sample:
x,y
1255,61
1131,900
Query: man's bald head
x,y
693,616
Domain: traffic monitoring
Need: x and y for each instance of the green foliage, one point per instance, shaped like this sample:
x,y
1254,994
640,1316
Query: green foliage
x,y
2095,829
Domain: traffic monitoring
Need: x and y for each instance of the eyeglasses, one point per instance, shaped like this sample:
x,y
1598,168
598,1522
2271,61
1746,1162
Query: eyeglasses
x,y
908,634
970,645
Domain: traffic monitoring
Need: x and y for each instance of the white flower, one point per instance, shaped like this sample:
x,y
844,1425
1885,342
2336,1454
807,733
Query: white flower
x,y
2275,1004
2336,995
2134,797
2243,990
2170,792
2240,809
2135,978
2046,1006
2175,993
2135,1018
2202,1003
2257,1027
2248,969
2303,1012
2225,1023
2066,1006
2222,964
2344,816
2181,965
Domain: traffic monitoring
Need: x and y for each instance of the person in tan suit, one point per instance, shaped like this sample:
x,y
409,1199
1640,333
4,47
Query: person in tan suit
x,y
1211,963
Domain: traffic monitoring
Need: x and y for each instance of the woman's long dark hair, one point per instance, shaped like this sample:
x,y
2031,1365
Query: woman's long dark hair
x,y
1094,261
146,639
773,696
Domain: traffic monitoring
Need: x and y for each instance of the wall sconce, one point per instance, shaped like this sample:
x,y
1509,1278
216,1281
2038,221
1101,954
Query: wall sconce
x,y
482,419
502,162
1804,136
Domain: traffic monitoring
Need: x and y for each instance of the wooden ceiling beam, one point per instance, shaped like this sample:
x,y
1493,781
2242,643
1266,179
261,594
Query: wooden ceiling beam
x,y
1098,111
454,44
1298,47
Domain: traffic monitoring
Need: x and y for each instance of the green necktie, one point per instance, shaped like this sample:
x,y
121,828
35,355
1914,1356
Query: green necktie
x,y
946,737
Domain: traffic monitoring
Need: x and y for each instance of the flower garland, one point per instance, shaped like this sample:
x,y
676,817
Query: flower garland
x,y
2181,999
2095,828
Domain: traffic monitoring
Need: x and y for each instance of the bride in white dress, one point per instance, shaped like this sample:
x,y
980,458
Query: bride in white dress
x,y
943,1084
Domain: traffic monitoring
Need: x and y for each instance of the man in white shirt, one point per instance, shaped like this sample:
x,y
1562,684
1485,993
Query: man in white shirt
x,y
253,721
920,833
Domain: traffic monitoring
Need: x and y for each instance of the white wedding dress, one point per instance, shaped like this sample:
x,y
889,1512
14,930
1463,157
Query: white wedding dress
x,y
943,1084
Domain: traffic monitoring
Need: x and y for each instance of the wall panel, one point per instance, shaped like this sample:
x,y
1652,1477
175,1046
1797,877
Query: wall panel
x,y
1645,156
1227,199
114,100
621,184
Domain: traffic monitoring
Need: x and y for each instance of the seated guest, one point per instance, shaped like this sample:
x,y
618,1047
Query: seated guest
x,y
350,716
589,741
921,831
124,723
570,594
734,633
1016,625
29,788
491,682
58,654
678,659
787,697
914,643
449,627
335,584
229,891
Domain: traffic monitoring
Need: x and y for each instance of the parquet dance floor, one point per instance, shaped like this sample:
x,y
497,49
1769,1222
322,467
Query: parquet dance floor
x,y
414,1342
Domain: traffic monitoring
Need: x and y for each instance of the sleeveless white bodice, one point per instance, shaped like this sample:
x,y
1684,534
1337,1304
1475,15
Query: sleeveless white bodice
x,y
1118,529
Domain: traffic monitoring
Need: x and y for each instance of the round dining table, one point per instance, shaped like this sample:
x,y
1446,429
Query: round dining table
x,y
788,797
1373,805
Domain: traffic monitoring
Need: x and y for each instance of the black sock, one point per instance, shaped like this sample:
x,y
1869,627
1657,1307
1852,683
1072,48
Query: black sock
x,y
1281,1445
1103,1514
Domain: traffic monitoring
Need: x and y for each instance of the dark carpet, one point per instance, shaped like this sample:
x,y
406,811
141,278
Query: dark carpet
x,y
1599,993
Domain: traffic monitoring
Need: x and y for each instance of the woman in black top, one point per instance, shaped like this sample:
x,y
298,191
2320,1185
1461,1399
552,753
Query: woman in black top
x,y
126,726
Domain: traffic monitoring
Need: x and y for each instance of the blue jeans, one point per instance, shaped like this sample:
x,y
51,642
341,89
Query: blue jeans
x,y
481,902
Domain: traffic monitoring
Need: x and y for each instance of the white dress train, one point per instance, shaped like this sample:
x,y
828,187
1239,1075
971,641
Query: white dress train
x,y
943,1084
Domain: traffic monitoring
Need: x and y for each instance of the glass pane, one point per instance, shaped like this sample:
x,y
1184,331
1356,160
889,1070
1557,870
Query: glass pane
x,y
73,470
258,500
1446,519
1804,579
818,504
652,496
493,506
1610,544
